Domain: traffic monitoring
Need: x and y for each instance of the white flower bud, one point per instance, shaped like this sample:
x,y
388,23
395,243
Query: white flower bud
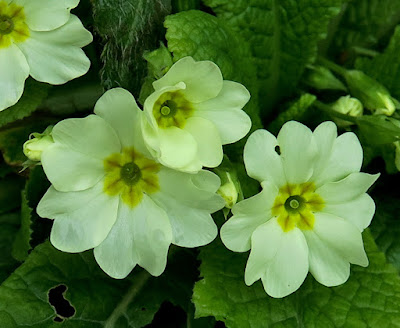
x,y
349,106
38,142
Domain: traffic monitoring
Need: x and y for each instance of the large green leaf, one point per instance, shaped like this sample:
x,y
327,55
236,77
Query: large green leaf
x,y
98,300
283,35
128,28
364,23
34,94
188,34
385,67
370,298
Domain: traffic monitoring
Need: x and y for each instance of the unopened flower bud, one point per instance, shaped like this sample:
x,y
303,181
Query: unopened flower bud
x,y
372,94
321,78
349,106
37,143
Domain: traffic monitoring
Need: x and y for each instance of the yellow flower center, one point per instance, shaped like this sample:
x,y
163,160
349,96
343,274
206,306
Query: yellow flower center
x,y
130,174
295,204
12,24
172,109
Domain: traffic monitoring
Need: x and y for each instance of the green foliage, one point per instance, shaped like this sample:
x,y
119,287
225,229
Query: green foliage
x,y
364,23
8,228
21,245
99,301
128,28
188,34
385,226
385,67
34,93
296,111
378,129
10,194
370,298
283,36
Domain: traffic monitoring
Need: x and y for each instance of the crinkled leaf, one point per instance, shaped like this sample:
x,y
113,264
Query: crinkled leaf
x,y
8,228
385,67
10,193
364,23
128,28
205,37
296,111
98,300
34,93
283,36
21,245
370,298
182,5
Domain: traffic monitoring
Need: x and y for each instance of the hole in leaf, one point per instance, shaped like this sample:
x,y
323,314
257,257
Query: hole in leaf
x,y
63,307
278,150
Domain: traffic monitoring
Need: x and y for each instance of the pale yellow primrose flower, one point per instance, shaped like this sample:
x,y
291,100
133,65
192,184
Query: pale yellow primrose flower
x,y
311,211
42,39
192,113
110,194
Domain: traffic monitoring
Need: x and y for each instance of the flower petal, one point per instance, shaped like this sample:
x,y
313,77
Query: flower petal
x,y
262,161
14,71
298,151
116,255
225,111
69,170
347,189
345,158
248,215
91,136
325,135
193,190
152,235
209,146
326,265
279,258
82,219
46,15
191,227
56,56
203,79
358,211
178,147
118,107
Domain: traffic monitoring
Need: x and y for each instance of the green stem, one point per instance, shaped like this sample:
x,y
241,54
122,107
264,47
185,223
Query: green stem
x,y
365,51
327,109
332,66
139,282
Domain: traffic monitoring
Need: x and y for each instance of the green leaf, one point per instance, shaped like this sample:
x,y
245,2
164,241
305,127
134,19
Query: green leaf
x,y
296,111
98,300
34,93
188,34
21,245
385,226
34,229
8,228
128,28
385,67
364,23
370,298
378,129
283,36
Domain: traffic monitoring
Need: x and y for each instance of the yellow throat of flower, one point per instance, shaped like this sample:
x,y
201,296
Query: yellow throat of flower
x,y
13,28
172,109
295,204
130,174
